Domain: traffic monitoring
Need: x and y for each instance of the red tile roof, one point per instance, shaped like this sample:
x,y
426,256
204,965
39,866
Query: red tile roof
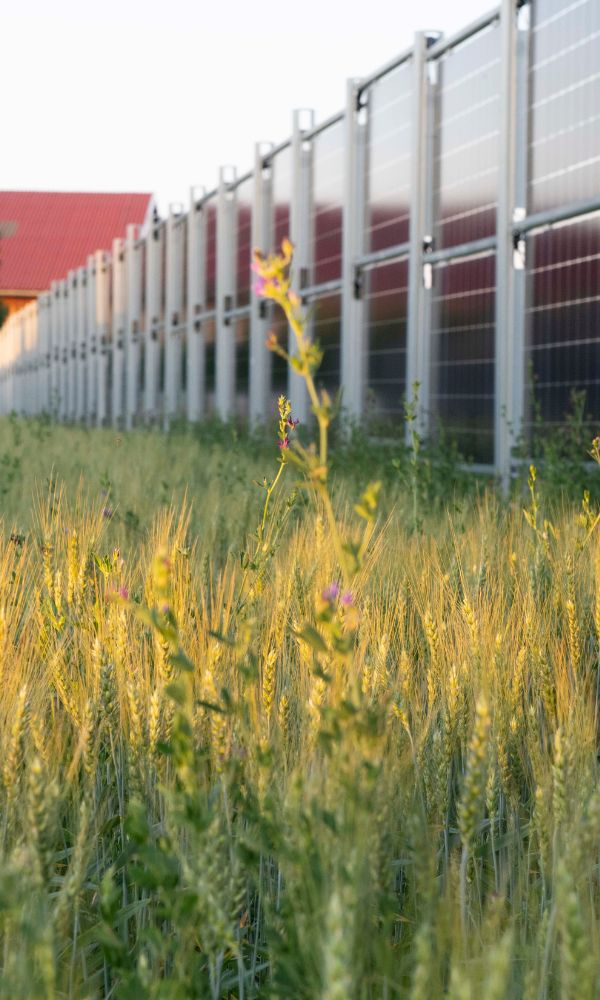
x,y
44,234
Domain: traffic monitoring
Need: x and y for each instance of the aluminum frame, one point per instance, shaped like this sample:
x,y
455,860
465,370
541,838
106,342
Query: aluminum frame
x,y
225,331
132,325
301,238
55,356
196,279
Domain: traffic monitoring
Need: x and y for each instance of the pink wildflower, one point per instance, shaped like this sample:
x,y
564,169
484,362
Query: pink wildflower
x,y
331,592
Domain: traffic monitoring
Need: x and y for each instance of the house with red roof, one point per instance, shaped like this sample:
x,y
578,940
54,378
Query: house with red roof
x,y
45,234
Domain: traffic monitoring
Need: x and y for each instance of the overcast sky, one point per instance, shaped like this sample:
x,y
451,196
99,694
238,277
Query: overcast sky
x,y
139,95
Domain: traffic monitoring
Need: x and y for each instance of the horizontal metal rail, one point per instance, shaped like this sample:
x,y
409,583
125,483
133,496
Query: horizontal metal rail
x,y
322,126
208,314
382,256
325,288
240,180
451,41
272,153
552,216
200,202
236,312
479,468
473,248
388,67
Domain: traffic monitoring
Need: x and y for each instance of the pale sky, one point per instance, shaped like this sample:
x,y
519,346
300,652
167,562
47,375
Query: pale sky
x,y
139,95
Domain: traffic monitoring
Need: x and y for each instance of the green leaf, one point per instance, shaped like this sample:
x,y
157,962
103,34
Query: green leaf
x,y
176,690
179,659
313,638
221,638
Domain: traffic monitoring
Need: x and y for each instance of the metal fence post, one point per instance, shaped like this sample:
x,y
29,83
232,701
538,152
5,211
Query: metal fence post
x,y
81,344
118,330
353,375
74,344
132,324
131,347
418,329
71,328
519,276
32,335
102,321
55,348
262,230
506,347
4,367
151,333
300,213
196,296
64,350
35,368
47,353
225,289
41,369
25,358
92,343
17,365
38,371
174,263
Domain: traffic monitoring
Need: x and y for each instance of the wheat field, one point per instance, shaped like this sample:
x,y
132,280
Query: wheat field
x,y
226,773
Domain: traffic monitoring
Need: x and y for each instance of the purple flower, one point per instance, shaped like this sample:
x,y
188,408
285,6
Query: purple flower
x,y
331,592
284,443
107,512
124,593
293,423
347,599
259,286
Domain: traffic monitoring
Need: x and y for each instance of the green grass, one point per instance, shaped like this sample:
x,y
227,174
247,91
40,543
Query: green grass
x,y
220,778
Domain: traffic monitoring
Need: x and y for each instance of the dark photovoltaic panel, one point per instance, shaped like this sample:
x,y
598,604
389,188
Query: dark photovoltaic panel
x,y
244,201
208,333
564,94
327,194
210,259
462,355
242,364
326,312
465,140
563,322
386,300
389,139
281,165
